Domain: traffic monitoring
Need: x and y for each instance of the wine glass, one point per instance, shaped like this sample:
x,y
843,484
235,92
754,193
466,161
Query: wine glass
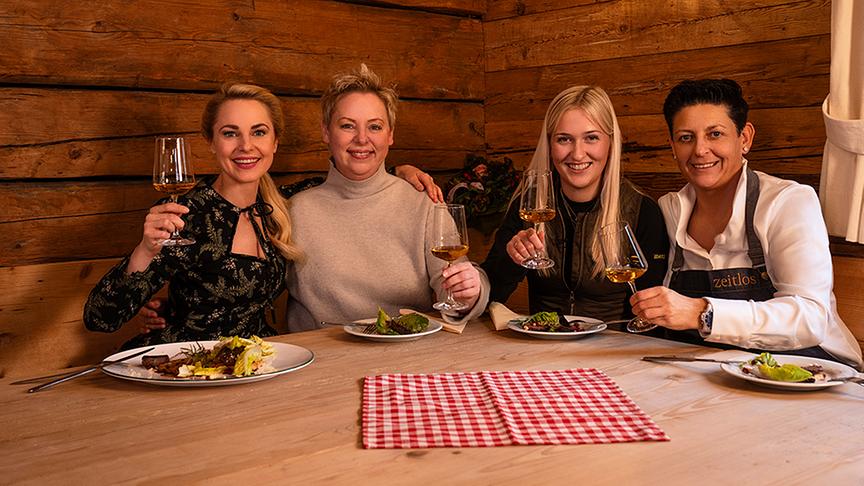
x,y
173,175
450,242
624,262
537,205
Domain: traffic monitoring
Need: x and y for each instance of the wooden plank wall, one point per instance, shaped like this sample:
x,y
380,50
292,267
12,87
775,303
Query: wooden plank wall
x,y
85,87
778,50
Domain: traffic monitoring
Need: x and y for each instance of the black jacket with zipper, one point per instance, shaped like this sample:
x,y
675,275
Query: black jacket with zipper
x,y
569,287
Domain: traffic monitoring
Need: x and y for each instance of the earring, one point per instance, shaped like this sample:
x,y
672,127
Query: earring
x,y
746,149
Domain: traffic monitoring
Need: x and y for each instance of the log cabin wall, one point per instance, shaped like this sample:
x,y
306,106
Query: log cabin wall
x,y
778,50
85,87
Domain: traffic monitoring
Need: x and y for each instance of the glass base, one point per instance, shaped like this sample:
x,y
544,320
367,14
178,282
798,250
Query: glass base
x,y
637,325
449,306
538,263
180,241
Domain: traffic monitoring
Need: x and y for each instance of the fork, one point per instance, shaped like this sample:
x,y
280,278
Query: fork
x,y
366,328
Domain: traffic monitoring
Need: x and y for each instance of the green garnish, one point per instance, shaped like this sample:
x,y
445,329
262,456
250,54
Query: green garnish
x,y
405,324
769,368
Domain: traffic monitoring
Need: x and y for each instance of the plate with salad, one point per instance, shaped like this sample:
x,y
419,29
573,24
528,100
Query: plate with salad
x,y
228,361
789,372
551,325
383,328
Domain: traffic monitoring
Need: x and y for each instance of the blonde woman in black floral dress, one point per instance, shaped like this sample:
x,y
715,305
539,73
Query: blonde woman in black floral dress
x,y
223,284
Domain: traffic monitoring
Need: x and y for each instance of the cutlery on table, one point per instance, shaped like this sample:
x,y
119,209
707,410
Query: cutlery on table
x,y
76,374
365,327
849,379
669,359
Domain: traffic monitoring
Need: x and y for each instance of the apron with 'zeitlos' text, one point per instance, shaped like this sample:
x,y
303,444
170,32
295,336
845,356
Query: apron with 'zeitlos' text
x,y
745,283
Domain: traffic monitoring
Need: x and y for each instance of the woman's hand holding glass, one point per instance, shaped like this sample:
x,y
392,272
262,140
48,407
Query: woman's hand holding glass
x,y
537,206
665,307
450,242
525,244
161,222
462,280
624,262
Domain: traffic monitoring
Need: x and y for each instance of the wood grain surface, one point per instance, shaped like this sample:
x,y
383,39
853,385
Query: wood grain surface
x,y
304,427
291,47
607,30
87,133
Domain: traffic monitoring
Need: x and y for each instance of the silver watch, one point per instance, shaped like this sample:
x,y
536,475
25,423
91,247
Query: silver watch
x,y
706,321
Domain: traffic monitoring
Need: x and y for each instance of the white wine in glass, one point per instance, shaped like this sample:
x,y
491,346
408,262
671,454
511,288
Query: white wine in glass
x,y
450,242
536,206
624,262
173,175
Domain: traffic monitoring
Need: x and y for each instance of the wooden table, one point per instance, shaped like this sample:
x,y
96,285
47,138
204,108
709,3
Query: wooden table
x,y
304,427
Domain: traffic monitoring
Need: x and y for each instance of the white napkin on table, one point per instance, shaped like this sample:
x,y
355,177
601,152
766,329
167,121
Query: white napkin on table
x,y
501,315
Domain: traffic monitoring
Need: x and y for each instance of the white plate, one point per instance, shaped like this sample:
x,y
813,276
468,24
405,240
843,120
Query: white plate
x,y
288,358
515,325
833,369
434,326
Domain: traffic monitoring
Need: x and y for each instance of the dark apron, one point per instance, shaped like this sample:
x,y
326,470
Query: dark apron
x,y
744,283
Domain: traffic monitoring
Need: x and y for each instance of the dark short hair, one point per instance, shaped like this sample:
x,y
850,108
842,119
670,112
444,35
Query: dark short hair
x,y
691,92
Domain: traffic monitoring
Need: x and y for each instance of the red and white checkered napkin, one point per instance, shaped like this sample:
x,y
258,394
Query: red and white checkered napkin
x,y
581,406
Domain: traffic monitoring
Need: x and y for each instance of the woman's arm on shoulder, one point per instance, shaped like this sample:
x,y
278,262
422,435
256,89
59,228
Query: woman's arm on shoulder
x,y
421,181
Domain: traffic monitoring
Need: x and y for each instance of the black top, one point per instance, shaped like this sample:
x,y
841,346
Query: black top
x,y
569,287
212,292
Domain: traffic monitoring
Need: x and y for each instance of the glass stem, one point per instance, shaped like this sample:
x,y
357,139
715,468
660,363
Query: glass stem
x,y
175,235
632,286
537,253
449,298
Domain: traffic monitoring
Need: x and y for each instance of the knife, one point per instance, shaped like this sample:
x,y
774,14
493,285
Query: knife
x,y
83,372
668,359
347,324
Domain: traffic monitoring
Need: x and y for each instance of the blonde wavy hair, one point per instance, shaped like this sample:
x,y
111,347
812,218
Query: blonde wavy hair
x,y
598,107
279,225
362,80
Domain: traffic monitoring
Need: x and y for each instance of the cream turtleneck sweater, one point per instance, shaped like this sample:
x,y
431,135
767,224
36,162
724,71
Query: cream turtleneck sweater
x,y
366,244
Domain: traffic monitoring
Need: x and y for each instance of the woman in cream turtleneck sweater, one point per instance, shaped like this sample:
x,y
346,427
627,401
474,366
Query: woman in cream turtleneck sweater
x,y
365,233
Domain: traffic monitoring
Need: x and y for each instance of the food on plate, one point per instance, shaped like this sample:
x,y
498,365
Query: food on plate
x,y
552,322
405,324
152,361
765,366
230,356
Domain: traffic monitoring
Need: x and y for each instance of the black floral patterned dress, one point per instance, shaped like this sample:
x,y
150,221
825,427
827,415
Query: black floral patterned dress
x,y
211,291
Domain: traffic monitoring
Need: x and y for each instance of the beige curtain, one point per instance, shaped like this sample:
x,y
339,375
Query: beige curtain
x,y
841,188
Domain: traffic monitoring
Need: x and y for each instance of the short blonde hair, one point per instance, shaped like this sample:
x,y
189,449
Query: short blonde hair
x,y
363,80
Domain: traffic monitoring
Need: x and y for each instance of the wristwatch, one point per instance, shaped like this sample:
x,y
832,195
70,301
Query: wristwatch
x,y
706,321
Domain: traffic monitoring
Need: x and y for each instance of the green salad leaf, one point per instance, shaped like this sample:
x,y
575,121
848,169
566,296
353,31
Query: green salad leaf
x,y
769,368
404,324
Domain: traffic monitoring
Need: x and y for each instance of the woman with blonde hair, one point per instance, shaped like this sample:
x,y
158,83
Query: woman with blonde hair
x,y
580,143
223,284
366,234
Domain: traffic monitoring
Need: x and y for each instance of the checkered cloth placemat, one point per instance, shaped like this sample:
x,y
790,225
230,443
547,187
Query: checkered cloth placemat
x,y
580,406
